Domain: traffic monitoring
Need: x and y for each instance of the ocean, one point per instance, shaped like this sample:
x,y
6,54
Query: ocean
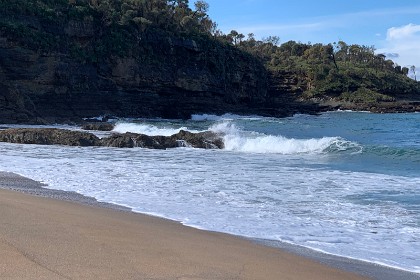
x,y
344,183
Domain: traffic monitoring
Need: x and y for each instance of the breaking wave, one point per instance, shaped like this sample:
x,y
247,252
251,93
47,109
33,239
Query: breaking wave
x,y
253,142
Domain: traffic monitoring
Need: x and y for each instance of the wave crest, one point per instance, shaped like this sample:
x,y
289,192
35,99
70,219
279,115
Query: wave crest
x,y
253,142
239,140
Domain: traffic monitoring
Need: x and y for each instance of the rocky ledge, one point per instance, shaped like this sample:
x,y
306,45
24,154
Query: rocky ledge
x,y
54,136
404,106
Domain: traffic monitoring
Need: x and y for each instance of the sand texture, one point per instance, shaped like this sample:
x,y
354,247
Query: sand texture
x,y
44,238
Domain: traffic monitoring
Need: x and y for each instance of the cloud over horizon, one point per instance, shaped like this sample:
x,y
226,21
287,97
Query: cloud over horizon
x,y
405,42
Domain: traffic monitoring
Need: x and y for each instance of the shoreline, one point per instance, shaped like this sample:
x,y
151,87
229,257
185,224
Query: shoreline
x,y
17,183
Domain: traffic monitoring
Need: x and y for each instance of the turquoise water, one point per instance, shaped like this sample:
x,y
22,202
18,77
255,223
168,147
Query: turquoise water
x,y
390,142
345,183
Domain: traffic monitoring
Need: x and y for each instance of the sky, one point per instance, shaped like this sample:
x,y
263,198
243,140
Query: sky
x,y
392,26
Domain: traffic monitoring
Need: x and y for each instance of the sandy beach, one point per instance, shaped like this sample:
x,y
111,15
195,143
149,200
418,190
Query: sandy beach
x,y
75,237
45,238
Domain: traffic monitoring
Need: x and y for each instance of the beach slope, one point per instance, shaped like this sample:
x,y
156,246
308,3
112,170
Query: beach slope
x,y
45,238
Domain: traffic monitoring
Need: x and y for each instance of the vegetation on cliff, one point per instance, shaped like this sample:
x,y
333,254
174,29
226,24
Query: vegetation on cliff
x,y
117,26
351,73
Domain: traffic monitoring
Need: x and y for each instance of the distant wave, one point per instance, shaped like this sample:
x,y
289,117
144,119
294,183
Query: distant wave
x,y
395,152
224,117
237,140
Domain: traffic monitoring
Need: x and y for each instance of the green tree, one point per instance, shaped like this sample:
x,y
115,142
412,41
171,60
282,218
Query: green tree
x,y
201,8
233,36
274,40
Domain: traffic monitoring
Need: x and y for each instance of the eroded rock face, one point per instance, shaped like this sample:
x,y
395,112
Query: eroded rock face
x,y
53,136
169,78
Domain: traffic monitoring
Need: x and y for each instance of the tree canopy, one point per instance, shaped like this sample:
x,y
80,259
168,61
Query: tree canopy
x,y
330,70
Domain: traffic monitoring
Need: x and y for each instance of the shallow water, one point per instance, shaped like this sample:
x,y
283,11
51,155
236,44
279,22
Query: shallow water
x,y
344,183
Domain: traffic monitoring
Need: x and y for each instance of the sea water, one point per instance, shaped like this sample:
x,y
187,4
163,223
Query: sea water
x,y
345,183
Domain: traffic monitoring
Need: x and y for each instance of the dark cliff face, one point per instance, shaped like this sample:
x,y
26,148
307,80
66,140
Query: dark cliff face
x,y
164,76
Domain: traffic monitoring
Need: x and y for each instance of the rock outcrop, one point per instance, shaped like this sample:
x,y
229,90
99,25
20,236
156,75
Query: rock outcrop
x,y
54,136
49,136
203,140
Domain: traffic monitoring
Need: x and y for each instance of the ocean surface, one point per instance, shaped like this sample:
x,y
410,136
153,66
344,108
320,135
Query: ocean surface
x,y
344,183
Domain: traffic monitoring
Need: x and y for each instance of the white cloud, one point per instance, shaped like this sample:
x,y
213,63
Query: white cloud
x,y
403,41
407,31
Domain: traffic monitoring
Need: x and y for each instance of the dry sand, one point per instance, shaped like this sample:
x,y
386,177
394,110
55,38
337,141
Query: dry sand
x,y
44,238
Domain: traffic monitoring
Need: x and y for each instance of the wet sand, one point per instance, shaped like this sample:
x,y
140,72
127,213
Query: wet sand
x,y
74,237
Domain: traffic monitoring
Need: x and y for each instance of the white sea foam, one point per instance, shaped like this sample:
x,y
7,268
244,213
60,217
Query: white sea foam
x,y
147,129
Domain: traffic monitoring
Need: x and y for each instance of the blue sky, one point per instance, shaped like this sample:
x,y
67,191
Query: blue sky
x,y
392,26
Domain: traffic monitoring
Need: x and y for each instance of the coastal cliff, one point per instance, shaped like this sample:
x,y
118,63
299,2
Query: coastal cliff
x,y
61,61
183,78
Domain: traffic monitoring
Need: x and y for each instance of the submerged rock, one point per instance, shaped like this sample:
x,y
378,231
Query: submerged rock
x,y
203,140
54,136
